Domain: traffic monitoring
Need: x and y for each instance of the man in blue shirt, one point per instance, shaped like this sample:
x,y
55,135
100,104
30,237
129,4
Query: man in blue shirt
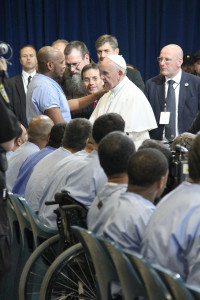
x,y
26,169
38,136
45,96
171,238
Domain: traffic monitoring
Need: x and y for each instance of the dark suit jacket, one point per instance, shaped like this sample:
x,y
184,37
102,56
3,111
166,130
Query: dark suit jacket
x,y
189,101
195,125
15,90
135,76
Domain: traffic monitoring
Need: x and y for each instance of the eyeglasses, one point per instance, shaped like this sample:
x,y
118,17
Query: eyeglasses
x,y
75,66
162,59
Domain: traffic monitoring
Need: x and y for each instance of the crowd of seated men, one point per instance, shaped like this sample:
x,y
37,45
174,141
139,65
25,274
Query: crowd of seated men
x,y
113,154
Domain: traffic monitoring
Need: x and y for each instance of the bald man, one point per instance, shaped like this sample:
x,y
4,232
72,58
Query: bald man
x,y
60,44
38,137
45,96
186,88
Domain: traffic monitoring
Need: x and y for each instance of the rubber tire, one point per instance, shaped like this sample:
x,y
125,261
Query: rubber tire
x,y
58,269
32,262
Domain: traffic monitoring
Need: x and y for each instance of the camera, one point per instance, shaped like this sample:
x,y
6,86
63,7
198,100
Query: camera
x,y
4,48
178,170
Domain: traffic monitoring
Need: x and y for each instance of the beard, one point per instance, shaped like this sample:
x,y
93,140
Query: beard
x,y
71,84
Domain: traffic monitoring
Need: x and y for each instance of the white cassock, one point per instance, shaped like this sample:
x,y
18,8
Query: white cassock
x,y
130,102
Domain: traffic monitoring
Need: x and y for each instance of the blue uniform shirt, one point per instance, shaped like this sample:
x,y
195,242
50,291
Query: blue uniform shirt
x,y
45,93
127,225
172,237
16,160
27,169
104,205
41,175
81,176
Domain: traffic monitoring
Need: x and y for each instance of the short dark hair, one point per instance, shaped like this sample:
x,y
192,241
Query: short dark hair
x,y
114,152
106,124
146,166
106,38
157,145
56,135
19,132
194,159
76,134
30,46
80,46
89,67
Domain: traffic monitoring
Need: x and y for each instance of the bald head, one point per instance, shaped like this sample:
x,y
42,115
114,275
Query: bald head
x,y
171,59
175,49
60,44
51,62
39,130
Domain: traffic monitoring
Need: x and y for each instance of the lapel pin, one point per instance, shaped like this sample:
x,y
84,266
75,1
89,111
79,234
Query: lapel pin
x,y
186,84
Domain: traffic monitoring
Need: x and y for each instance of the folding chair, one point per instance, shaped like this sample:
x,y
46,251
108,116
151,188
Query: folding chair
x,y
194,291
174,283
131,283
155,288
105,272
40,231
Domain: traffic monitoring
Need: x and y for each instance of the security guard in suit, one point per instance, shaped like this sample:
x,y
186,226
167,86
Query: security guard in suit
x,y
9,130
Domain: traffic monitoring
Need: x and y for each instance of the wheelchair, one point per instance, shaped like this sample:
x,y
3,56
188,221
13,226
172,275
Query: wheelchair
x,y
60,262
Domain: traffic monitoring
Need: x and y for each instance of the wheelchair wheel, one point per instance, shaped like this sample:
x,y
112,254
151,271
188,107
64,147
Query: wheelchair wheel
x,y
36,267
71,276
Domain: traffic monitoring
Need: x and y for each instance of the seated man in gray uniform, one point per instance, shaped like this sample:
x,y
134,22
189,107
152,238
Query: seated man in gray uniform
x,y
147,172
81,176
171,238
38,136
74,140
114,152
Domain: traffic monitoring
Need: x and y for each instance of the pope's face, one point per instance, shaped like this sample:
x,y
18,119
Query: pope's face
x,y
109,74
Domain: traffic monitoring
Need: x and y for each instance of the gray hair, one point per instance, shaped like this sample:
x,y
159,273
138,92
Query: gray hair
x,y
106,38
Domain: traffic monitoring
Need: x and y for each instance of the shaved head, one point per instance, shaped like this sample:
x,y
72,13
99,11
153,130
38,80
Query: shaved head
x,y
39,128
177,50
51,62
171,59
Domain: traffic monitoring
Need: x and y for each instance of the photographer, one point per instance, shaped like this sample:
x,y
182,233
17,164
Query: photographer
x,y
9,130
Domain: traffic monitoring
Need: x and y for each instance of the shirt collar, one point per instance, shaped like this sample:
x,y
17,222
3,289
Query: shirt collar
x,y
26,75
119,86
176,78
